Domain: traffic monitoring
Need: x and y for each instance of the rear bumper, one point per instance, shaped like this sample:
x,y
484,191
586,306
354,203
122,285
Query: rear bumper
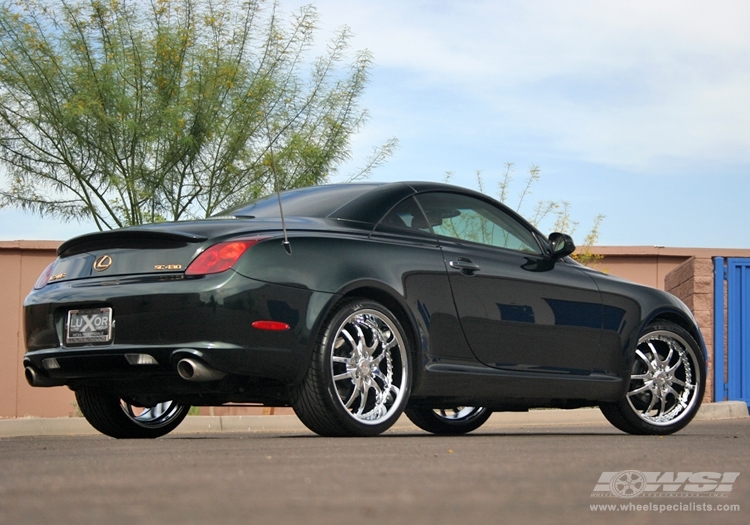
x,y
121,362
168,318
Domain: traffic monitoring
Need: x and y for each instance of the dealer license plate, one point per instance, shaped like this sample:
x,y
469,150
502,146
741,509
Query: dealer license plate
x,y
93,325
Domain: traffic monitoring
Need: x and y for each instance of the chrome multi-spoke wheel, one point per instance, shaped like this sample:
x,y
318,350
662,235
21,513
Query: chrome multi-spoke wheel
x,y
115,417
359,380
368,364
665,378
458,413
666,384
448,421
157,416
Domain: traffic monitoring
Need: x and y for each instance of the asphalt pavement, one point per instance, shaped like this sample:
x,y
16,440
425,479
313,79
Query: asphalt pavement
x,y
539,471
199,424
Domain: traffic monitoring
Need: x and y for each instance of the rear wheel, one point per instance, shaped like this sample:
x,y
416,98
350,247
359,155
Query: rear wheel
x,y
120,419
360,377
448,421
666,384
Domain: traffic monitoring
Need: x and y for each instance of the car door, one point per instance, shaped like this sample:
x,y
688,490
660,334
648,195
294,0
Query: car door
x,y
418,263
519,311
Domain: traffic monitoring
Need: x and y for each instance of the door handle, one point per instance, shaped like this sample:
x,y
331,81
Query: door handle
x,y
464,265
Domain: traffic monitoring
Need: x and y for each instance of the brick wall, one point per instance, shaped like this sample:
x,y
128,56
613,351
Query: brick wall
x,y
693,283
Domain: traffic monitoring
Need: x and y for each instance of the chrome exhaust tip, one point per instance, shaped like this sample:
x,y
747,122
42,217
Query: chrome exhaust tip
x,y
193,370
31,375
34,378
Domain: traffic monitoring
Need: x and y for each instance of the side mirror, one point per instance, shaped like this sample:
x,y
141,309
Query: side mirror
x,y
561,245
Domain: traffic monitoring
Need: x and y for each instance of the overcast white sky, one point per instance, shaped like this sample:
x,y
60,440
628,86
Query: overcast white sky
x,y
636,109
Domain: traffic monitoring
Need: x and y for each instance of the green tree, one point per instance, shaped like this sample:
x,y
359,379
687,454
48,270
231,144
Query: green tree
x,y
128,111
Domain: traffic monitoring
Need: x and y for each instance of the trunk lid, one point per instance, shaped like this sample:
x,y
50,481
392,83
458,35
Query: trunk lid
x,y
150,249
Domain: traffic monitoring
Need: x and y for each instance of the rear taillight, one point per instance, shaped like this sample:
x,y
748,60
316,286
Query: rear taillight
x,y
44,278
220,257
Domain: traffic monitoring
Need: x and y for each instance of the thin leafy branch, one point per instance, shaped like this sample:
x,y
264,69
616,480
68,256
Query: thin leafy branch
x,y
559,212
126,112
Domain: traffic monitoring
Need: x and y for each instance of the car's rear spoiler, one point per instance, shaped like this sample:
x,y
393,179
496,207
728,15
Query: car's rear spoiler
x,y
129,238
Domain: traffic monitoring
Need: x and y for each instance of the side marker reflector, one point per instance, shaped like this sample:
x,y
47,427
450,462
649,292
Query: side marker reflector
x,y
274,326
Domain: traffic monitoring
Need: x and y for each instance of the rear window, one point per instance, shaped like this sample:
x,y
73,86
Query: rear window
x,y
315,201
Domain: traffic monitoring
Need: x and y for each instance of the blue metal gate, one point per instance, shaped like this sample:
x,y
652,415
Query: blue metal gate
x,y
732,381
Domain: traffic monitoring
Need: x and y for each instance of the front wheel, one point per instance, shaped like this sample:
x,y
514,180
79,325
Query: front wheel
x,y
448,421
360,377
666,384
117,418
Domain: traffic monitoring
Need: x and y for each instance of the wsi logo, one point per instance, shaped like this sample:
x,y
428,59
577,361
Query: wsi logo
x,y
634,483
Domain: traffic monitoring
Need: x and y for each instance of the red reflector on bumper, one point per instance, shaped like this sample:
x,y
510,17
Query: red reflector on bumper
x,y
275,326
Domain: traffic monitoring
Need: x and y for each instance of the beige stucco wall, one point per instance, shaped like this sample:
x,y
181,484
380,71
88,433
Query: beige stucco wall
x,y
21,262
647,265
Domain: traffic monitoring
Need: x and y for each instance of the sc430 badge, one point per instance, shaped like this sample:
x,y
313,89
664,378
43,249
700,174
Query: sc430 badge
x,y
168,267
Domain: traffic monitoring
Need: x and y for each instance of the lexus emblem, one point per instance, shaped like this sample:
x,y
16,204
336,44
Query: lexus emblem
x,y
102,263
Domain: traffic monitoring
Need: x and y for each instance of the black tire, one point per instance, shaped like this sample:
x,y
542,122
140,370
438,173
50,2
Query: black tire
x,y
666,385
359,378
448,421
119,419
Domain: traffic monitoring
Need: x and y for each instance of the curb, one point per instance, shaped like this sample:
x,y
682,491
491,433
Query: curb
x,y
66,426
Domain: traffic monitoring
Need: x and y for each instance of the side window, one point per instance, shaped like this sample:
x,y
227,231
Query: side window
x,y
469,219
406,215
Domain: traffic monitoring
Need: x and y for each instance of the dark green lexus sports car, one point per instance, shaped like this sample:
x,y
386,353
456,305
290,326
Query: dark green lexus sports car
x,y
372,300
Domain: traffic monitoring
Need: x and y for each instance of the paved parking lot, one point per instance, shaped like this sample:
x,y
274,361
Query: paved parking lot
x,y
499,474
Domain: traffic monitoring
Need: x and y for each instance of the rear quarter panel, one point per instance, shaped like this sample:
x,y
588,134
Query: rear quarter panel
x,y
408,269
